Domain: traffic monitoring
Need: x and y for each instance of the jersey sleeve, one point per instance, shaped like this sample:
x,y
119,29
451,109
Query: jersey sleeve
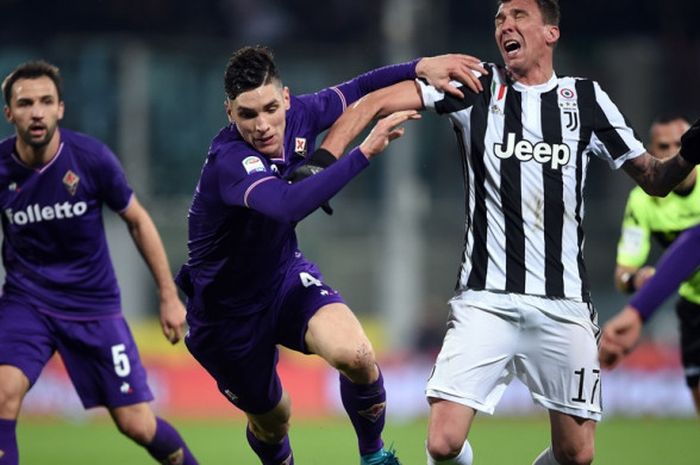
x,y
612,138
328,104
635,238
447,104
113,187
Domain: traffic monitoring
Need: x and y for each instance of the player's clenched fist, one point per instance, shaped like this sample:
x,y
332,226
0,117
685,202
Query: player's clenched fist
x,y
386,130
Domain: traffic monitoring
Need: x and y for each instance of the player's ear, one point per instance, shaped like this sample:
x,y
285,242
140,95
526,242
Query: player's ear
x,y
551,34
8,114
285,97
228,105
61,110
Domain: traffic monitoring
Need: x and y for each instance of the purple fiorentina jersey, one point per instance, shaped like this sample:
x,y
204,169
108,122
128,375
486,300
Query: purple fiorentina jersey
x,y
54,247
237,254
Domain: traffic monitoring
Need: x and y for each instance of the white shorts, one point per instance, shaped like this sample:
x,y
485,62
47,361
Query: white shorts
x,y
549,344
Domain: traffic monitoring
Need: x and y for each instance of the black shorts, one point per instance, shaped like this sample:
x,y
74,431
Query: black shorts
x,y
689,316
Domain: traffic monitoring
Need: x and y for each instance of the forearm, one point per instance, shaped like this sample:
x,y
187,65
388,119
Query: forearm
x,y
293,202
675,266
401,96
658,177
148,242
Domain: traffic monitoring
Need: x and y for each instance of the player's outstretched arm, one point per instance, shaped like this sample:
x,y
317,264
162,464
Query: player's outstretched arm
x,y
440,71
293,202
679,262
148,242
399,97
659,177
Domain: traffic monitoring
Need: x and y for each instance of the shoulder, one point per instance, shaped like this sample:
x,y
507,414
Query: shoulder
x,y
84,148
7,147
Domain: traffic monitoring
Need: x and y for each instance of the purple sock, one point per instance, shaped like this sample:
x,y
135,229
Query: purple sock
x,y
9,455
366,406
168,447
271,454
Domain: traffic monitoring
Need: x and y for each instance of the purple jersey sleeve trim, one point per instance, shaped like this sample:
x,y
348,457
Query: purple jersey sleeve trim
x,y
676,265
128,204
293,202
376,79
253,186
343,102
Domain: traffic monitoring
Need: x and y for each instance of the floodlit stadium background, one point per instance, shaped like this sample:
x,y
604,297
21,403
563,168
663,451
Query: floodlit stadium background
x,y
146,77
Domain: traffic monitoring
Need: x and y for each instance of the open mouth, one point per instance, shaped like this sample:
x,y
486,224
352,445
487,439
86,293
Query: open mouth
x,y
511,47
37,130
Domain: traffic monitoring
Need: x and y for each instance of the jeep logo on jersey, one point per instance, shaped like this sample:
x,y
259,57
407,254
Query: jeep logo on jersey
x,y
555,155
36,213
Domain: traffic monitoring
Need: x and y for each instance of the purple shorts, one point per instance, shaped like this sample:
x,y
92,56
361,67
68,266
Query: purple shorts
x,y
241,353
100,355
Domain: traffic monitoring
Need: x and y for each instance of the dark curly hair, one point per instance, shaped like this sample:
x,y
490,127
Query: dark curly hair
x,y
32,70
249,68
549,9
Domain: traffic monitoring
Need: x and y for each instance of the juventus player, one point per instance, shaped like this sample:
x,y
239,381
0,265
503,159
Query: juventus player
x,y
522,306
60,293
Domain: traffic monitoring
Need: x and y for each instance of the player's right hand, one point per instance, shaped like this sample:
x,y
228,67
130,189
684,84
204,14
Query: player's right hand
x,y
690,144
386,130
440,70
620,336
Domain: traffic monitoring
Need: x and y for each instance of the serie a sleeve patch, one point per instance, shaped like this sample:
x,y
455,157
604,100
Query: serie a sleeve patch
x,y
253,164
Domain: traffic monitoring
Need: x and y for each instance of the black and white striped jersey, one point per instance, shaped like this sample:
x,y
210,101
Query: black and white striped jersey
x,y
524,153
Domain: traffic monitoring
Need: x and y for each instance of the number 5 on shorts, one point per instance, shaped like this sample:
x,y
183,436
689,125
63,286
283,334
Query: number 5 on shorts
x,y
122,367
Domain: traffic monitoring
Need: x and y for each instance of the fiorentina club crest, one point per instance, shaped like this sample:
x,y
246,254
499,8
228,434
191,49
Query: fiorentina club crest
x,y
71,180
300,146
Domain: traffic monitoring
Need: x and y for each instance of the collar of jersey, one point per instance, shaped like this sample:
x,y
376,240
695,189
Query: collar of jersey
x,y
539,88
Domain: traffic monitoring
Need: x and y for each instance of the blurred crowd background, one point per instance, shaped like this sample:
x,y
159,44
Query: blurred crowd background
x,y
146,77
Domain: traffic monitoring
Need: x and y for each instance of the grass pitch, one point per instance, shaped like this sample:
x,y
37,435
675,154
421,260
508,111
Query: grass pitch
x,y
496,441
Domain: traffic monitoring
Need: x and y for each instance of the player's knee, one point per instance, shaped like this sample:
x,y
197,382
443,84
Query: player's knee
x,y
11,394
271,434
444,447
136,427
356,361
574,454
9,404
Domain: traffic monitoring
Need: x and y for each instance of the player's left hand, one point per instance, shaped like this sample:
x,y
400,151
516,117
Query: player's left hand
x,y
172,318
440,70
620,336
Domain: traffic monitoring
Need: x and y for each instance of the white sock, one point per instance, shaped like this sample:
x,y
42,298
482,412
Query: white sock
x,y
546,458
465,457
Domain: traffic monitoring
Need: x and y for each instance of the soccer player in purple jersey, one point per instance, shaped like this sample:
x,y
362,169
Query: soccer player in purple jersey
x,y
60,293
249,287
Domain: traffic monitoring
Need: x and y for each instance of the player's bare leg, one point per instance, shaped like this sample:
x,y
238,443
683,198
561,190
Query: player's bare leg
x,y
448,427
157,436
336,335
267,434
13,387
573,441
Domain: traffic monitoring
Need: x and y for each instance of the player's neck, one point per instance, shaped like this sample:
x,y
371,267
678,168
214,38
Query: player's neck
x,y
537,74
38,156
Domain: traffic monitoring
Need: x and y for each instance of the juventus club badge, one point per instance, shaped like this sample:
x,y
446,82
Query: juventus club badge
x,y
300,146
71,180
